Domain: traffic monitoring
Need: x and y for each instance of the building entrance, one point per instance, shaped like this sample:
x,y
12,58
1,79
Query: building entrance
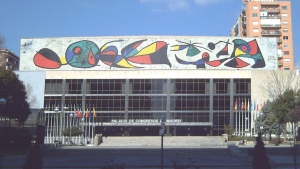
x,y
153,130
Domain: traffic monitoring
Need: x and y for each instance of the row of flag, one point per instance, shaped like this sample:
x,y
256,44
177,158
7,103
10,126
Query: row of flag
x,y
88,113
246,104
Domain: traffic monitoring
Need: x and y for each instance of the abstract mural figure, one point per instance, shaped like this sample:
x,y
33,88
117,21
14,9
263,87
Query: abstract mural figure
x,y
224,51
82,54
46,58
192,48
199,63
212,46
243,49
136,54
155,53
86,54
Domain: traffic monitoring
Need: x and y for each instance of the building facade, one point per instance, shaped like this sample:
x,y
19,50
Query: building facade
x,y
9,60
129,85
268,18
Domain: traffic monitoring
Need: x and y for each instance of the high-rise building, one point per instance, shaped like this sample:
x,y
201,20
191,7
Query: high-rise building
x,y
268,18
9,60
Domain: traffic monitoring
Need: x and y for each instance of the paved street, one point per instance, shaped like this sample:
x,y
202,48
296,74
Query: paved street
x,y
148,156
133,157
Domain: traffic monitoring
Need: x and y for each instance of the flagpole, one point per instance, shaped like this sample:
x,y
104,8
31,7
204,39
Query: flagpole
x,y
239,122
89,126
236,114
243,112
249,121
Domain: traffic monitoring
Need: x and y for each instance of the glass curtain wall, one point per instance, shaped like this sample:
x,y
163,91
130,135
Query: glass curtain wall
x,y
195,101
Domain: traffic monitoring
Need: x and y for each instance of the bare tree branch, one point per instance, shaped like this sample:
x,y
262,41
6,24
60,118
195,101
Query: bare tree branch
x,y
2,41
31,98
279,81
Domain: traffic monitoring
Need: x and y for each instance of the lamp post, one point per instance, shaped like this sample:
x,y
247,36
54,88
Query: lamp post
x,y
56,130
71,115
2,103
59,128
246,125
82,123
162,132
261,119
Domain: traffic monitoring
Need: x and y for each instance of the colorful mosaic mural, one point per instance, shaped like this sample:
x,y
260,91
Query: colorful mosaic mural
x,y
148,53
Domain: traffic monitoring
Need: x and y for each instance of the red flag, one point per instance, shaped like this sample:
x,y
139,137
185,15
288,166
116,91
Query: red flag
x,y
94,112
79,114
235,104
87,113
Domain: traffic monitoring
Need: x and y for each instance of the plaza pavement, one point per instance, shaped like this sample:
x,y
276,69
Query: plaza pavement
x,y
212,153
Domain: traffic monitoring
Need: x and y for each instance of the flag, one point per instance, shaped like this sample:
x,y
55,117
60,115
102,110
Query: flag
x,y
94,112
254,105
245,104
242,106
86,113
75,112
79,114
235,104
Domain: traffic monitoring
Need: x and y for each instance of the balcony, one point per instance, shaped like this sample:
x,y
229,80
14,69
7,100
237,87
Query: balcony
x,y
244,24
271,10
270,17
270,25
279,40
270,32
280,63
268,4
244,32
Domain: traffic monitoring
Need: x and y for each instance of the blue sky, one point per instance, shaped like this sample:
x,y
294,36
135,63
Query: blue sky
x,y
83,18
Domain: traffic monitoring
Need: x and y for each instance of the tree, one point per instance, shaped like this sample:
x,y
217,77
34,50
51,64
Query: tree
x,y
260,158
31,98
283,105
13,90
75,131
228,130
277,82
2,41
268,121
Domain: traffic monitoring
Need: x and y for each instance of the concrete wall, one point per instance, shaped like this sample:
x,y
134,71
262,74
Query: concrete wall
x,y
34,82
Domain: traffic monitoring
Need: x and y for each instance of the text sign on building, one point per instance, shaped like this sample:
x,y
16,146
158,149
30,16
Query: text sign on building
x,y
125,53
144,120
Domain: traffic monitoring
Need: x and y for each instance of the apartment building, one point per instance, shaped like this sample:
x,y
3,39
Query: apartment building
x,y
9,60
268,18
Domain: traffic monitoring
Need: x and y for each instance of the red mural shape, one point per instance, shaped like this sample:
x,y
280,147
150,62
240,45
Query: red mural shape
x,y
46,58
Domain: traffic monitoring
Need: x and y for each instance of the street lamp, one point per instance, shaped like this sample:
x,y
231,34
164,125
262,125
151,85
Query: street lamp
x,y
82,123
71,115
162,132
246,125
261,119
59,128
56,130
2,101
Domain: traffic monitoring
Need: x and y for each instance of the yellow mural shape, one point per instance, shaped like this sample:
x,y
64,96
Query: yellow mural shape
x,y
147,50
63,60
124,63
176,47
238,52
